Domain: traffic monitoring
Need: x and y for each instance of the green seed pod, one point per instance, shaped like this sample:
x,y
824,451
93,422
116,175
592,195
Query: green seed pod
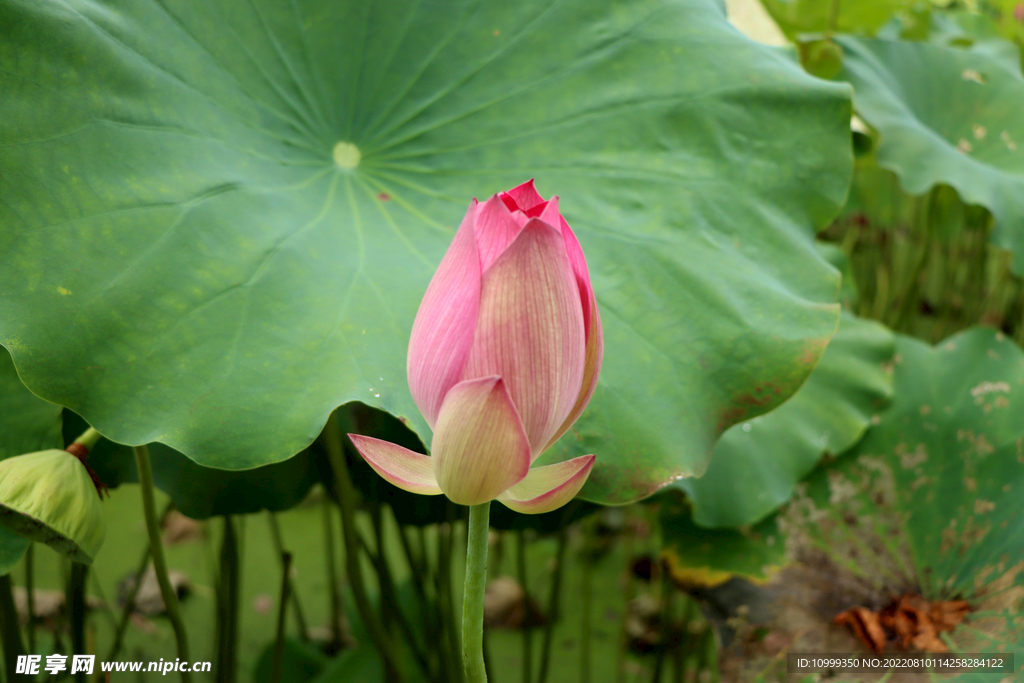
x,y
49,497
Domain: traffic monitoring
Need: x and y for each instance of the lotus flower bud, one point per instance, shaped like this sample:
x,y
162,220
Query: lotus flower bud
x,y
50,497
504,356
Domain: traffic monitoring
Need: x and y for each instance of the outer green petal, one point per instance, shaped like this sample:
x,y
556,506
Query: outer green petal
x,y
549,487
480,447
49,497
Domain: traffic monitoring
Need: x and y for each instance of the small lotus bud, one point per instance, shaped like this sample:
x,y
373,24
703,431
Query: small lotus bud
x,y
504,355
51,498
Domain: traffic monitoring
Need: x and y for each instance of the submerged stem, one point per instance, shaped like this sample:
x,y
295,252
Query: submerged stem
x,y
527,630
157,551
30,596
282,613
75,599
473,597
10,635
346,500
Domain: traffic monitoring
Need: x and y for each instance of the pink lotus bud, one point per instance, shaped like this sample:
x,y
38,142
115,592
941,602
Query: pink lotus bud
x,y
504,356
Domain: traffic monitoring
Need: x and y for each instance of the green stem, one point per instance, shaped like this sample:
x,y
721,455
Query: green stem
x,y
157,551
418,576
30,595
833,19
448,659
527,627
133,592
282,612
473,597
346,499
909,294
228,604
665,627
332,575
556,591
390,603
75,599
10,634
417,572
89,437
275,534
586,584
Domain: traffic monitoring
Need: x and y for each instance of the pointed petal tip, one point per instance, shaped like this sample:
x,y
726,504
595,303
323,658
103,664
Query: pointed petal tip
x,y
525,195
549,487
408,470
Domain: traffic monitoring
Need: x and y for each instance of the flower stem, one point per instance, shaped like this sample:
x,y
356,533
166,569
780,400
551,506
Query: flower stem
x,y
75,598
89,437
157,551
473,597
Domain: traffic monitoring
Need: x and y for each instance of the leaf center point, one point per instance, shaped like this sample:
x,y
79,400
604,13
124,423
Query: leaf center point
x,y
346,155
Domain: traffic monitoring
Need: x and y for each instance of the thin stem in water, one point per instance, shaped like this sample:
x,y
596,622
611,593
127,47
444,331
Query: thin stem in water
x,y
157,551
527,617
556,591
282,612
275,534
75,598
133,591
30,596
10,635
332,575
346,499
228,604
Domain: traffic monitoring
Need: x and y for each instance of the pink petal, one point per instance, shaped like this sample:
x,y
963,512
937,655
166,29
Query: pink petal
x,y
579,268
530,330
592,324
550,487
520,218
413,472
591,371
549,213
496,228
443,330
523,197
480,448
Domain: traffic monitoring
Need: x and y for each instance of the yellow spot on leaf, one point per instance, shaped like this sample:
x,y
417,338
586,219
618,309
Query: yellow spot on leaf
x,y
973,75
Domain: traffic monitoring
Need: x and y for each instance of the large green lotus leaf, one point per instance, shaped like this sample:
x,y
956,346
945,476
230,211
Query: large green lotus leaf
x,y
27,422
797,18
200,492
930,499
700,557
12,549
834,254
190,257
946,116
952,28
757,464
